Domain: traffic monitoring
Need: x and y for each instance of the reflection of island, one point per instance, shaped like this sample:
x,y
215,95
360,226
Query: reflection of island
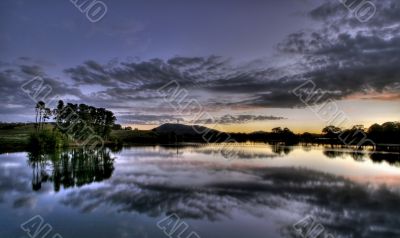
x,y
377,157
71,168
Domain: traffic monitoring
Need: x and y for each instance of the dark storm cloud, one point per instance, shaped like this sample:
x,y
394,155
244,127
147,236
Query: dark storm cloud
x,y
15,101
31,70
151,119
350,58
118,94
215,75
148,119
147,75
183,61
13,76
341,55
238,119
341,65
337,14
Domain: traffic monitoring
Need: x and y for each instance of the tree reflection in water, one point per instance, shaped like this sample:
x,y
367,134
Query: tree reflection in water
x,y
391,158
70,168
281,149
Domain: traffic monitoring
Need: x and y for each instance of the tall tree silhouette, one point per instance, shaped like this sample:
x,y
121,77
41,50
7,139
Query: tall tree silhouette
x,y
40,107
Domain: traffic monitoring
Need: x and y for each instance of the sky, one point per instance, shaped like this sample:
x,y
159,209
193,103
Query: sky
x,y
246,65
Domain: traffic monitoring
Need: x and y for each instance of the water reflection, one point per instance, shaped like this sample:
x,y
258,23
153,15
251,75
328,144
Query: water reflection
x,y
281,150
70,168
391,158
333,153
241,150
361,156
199,192
266,190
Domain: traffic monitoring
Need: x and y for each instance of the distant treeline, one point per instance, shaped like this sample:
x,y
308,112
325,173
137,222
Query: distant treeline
x,y
101,122
387,133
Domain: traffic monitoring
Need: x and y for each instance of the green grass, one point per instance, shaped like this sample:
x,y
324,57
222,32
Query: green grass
x,y
17,137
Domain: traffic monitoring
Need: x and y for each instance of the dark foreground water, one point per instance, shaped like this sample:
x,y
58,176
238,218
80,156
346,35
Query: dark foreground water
x,y
262,193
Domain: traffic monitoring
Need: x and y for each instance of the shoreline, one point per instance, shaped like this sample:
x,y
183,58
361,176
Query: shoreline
x,y
25,147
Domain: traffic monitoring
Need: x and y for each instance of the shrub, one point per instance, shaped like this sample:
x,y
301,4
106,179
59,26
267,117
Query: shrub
x,y
46,139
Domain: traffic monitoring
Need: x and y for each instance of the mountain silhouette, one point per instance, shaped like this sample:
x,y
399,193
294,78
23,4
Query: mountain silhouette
x,y
179,129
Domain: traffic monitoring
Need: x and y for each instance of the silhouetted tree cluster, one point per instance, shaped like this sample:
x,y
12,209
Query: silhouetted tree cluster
x,y
388,132
331,132
116,127
284,134
82,118
277,134
79,122
307,137
355,136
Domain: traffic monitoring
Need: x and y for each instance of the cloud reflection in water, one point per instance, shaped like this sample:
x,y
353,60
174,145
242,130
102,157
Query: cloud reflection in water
x,y
216,190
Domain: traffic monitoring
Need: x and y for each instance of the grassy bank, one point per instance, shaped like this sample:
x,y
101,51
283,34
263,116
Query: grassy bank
x,y
15,137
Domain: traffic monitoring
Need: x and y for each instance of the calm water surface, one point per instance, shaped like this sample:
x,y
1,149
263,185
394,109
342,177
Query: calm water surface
x,y
260,194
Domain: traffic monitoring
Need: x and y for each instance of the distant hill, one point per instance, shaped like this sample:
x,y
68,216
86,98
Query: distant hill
x,y
180,129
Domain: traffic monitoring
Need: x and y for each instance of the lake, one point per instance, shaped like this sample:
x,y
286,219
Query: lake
x,y
263,192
